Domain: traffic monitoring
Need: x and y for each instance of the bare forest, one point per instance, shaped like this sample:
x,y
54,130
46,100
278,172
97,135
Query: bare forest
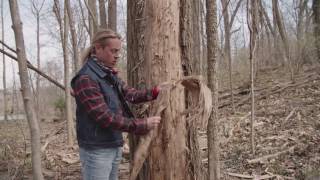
x,y
244,100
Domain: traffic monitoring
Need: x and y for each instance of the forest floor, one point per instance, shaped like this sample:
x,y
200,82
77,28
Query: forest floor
x,y
287,134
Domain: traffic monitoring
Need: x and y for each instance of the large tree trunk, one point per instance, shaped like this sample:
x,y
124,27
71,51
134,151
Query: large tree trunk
x,y
191,63
112,15
167,159
5,112
316,13
135,59
212,130
26,92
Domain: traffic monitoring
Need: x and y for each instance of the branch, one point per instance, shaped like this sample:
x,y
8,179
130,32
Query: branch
x,y
30,66
235,13
8,47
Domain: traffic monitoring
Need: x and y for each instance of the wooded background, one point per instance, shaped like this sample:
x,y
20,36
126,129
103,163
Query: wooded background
x,y
254,55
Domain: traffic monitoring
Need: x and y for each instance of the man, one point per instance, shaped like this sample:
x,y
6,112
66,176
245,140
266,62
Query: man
x,y
102,111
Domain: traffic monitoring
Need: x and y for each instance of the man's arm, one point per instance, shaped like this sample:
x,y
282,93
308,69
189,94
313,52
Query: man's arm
x,y
87,92
138,96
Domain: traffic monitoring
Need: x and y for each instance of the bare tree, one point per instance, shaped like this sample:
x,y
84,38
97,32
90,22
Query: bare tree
x,y
93,21
283,34
253,29
103,14
36,10
63,26
212,129
316,12
4,69
26,92
227,36
112,14
76,59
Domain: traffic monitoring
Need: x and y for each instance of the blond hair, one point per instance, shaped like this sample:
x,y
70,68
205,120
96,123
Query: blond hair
x,y
100,37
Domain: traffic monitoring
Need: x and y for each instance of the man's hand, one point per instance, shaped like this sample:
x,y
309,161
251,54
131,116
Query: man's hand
x,y
153,122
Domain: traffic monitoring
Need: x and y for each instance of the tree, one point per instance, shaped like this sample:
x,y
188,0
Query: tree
x,y
227,37
112,15
283,34
316,21
212,129
135,60
253,29
4,68
76,58
103,15
26,92
167,158
63,26
36,10
191,63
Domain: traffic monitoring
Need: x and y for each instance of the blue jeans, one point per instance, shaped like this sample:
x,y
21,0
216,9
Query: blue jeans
x,y
100,164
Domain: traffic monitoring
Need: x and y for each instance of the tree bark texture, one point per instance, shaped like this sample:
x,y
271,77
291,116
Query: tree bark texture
x,y
26,92
135,59
191,63
316,21
167,159
112,15
212,129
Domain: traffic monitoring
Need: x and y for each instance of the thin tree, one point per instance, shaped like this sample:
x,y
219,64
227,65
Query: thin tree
x,y
103,14
36,10
112,15
228,23
63,26
316,21
5,103
75,49
253,29
92,11
26,92
283,34
212,129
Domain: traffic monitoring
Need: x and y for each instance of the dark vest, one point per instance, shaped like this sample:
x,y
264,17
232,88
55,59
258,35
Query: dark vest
x,y
90,134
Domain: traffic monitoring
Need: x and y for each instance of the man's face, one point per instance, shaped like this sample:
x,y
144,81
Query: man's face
x,y
110,54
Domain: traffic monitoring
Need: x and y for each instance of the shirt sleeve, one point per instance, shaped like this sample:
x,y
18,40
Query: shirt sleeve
x,y
87,92
138,96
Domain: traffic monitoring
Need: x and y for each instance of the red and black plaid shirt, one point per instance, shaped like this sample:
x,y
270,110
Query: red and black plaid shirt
x,y
88,93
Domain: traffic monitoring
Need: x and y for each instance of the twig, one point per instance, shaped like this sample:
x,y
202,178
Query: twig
x,y
288,117
263,158
251,177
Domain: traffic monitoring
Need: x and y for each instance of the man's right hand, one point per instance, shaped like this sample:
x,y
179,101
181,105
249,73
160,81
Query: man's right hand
x,y
153,122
